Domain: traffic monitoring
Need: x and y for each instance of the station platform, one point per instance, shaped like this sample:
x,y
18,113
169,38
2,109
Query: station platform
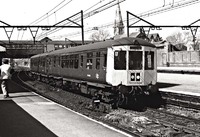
x,y
26,114
181,70
181,80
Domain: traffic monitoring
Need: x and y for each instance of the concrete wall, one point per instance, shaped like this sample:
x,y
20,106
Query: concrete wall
x,y
178,58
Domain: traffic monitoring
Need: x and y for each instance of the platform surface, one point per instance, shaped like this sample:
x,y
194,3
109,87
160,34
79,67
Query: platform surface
x,y
25,114
180,83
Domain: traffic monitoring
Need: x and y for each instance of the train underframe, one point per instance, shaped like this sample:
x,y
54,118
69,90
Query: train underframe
x,y
117,96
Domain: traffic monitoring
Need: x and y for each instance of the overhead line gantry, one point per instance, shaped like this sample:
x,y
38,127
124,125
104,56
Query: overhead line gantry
x,y
193,28
34,28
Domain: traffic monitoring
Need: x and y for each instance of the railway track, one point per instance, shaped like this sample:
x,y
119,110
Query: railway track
x,y
24,80
179,125
157,122
182,100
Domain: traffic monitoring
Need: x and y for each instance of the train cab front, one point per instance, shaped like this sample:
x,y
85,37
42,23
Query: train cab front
x,y
132,70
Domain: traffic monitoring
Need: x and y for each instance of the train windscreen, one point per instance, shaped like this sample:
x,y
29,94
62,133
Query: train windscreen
x,y
135,60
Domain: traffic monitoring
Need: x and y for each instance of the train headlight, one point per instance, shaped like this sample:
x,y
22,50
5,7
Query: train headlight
x,y
132,76
138,77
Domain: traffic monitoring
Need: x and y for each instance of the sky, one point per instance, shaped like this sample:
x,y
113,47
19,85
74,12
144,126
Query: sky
x,y
24,12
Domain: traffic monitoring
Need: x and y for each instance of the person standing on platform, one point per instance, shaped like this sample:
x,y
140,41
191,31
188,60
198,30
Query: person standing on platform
x,y
5,69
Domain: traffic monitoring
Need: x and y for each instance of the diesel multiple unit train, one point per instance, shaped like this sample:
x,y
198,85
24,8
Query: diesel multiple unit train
x,y
120,70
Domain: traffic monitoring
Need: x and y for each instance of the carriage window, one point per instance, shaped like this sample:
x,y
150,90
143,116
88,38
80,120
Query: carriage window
x,y
65,61
149,60
89,60
76,61
120,60
135,60
71,61
89,64
62,61
66,64
81,60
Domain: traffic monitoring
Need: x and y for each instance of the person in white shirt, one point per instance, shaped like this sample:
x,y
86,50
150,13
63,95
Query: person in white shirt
x,y
5,76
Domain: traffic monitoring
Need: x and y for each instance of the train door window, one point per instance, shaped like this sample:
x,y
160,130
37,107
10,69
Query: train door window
x,y
63,61
43,62
97,63
149,60
81,60
89,60
50,61
71,65
135,60
105,61
59,61
40,62
97,60
120,60
67,61
54,61
76,61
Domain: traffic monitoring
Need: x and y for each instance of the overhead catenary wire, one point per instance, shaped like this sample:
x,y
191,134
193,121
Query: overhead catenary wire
x,y
168,7
43,17
36,21
50,14
93,5
78,19
86,15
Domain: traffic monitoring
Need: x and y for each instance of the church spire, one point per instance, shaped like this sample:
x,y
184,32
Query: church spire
x,y
118,23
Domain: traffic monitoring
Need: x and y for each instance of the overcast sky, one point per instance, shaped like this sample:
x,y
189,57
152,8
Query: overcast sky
x,y
24,12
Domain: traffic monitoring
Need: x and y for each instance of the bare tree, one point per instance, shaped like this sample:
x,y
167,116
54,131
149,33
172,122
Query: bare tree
x,y
179,37
100,35
184,37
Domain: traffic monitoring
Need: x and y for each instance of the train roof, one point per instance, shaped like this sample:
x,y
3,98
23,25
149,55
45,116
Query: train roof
x,y
133,42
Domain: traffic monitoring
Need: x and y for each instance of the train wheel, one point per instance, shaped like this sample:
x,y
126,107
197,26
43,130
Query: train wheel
x,y
114,103
136,102
119,100
122,99
155,100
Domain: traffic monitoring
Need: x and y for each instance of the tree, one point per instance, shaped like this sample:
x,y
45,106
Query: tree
x,y
179,37
184,38
100,35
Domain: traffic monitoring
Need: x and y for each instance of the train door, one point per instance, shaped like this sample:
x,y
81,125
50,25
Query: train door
x,y
47,65
103,65
89,66
82,66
